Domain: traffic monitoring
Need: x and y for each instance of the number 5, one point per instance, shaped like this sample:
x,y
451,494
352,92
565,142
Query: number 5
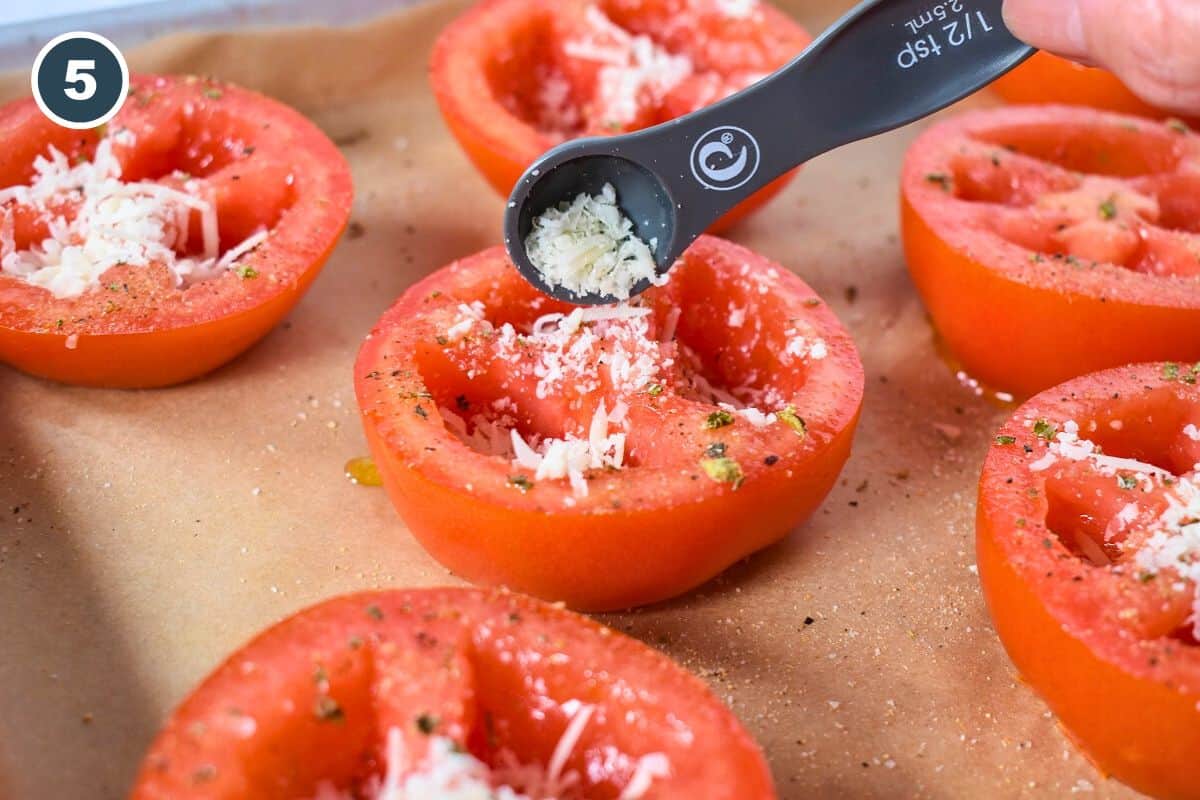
x,y
77,73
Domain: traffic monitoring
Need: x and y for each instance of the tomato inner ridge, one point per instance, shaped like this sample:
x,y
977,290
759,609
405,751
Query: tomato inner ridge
x,y
1046,202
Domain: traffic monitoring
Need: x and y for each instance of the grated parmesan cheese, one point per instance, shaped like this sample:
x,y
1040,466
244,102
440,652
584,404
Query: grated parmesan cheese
x,y
1192,432
613,351
588,247
451,773
1068,446
469,315
571,457
136,223
1175,543
1174,540
632,68
800,346
754,416
738,9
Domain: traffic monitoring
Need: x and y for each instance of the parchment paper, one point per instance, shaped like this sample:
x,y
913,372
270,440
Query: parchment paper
x,y
144,535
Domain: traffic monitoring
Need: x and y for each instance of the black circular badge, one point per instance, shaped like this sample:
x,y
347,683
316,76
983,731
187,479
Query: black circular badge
x,y
80,80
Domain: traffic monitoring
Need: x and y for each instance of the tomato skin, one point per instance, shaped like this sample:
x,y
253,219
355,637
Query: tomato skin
x,y
253,730
159,335
1130,702
1047,78
1023,326
499,143
596,554
572,557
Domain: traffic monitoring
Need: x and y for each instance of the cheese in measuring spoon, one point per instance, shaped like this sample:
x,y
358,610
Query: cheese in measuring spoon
x,y
589,247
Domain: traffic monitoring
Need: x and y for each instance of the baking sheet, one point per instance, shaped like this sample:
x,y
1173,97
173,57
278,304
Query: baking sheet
x,y
144,535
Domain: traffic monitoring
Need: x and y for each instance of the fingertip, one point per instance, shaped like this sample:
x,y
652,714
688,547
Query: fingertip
x,y
1054,25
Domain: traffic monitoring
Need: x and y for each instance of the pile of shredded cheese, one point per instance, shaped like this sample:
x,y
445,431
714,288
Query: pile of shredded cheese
x,y
1067,445
571,457
1174,536
1175,543
450,773
588,247
615,337
635,69
136,223
585,357
637,75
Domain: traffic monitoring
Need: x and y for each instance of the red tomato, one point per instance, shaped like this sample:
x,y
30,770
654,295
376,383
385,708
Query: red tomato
x,y
516,77
699,487
313,700
1047,78
1050,241
259,162
1094,610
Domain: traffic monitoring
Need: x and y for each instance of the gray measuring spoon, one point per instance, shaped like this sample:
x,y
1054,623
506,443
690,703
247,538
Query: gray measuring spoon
x,y
883,65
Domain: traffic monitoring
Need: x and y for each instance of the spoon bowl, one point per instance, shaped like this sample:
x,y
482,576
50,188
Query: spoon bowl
x,y
584,167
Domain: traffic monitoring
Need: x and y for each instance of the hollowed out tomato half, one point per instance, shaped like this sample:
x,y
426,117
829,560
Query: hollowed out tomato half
x,y
441,693
1048,241
610,456
158,247
1047,78
513,78
1089,553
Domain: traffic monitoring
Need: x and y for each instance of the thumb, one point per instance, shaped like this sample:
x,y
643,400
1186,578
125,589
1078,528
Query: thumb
x,y
1149,44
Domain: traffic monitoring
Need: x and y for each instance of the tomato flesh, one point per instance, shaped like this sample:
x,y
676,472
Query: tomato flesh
x,y
1109,643
1042,238
312,700
260,163
660,524
513,78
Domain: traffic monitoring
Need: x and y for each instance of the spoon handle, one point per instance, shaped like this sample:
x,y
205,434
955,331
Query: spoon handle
x,y
886,63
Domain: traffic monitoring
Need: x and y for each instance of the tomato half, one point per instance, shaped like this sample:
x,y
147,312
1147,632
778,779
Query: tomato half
x,y
1047,78
307,708
1050,241
688,487
513,78
1088,531
261,164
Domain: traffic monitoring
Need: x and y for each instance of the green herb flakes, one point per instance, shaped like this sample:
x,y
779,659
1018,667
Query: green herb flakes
x,y
1045,430
723,470
718,419
794,421
1004,438
520,482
